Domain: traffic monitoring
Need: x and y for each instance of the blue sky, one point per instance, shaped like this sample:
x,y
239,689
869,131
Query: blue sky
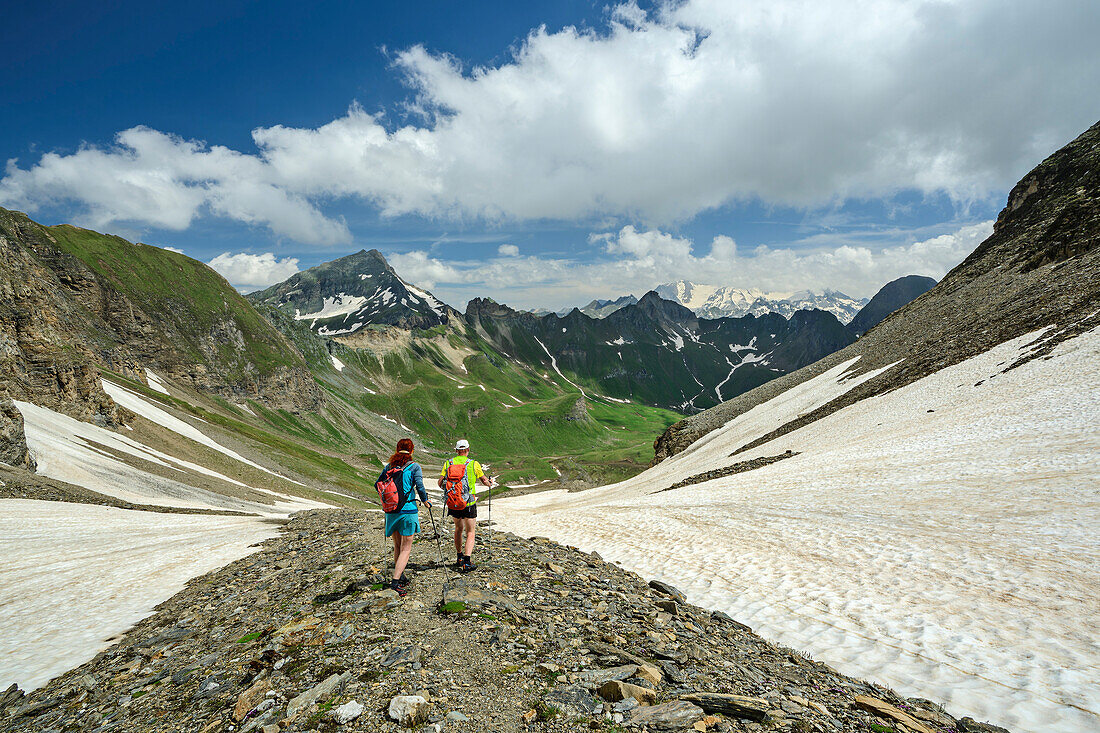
x,y
544,154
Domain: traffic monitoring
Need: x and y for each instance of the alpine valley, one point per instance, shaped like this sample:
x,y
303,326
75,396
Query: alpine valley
x,y
702,491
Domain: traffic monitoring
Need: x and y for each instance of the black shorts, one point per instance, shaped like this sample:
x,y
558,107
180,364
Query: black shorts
x,y
470,512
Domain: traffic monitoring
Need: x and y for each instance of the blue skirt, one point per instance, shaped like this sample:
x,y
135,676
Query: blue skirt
x,y
404,524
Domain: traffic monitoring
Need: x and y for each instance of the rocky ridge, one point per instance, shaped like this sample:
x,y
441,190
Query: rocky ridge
x,y
74,302
302,636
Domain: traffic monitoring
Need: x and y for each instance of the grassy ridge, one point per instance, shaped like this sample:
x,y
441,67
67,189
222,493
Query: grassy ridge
x,y
183,294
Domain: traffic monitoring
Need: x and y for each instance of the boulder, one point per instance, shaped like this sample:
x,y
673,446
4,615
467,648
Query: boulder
x,y
574,701
348,712
673,715
884,709
649,673
408,710
614,691
250,698
733,706
596,677
668,590
969,725
317,693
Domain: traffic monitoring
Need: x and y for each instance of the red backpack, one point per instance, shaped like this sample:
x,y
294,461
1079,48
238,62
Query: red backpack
x,y
456,486
391,489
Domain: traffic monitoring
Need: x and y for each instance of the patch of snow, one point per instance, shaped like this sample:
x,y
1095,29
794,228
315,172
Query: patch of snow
x,y
563,329
339,365
949,554
136,403
364,277
326,331
435,305
554,364
155,382
388,419
369,389
482,387
617,342
517,399
75,575
678,341
82,454
341,304
750,346
240,406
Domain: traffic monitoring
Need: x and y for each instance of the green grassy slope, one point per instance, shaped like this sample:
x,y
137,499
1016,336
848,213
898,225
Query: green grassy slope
x,y
184,296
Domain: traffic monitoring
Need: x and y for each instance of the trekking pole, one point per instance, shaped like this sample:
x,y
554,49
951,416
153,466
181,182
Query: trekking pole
x,y
436,533
490,547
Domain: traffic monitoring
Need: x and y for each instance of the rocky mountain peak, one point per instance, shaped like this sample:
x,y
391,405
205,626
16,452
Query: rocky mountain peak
x,y
341,297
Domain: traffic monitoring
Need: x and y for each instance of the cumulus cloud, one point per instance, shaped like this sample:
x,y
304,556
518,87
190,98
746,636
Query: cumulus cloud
x,y
653,118
644,259
248,272
508,250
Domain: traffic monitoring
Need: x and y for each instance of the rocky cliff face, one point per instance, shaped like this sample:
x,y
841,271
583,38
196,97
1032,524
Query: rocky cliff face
x,y
73,302
1039,269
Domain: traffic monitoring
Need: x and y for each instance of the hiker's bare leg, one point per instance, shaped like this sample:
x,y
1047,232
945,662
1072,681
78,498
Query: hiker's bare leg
x,y
402,546
470,527
458,535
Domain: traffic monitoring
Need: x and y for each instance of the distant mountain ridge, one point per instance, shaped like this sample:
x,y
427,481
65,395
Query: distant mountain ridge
x,y
710,301
659,352
654,350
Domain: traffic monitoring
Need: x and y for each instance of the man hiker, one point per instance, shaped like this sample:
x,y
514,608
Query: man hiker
x,y
459,481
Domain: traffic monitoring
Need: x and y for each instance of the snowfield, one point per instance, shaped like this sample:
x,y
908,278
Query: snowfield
x,y
75,575
941,539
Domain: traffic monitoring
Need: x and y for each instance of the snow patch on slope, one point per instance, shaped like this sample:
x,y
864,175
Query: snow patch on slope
x,y
155,382
75,575
940,538
340,304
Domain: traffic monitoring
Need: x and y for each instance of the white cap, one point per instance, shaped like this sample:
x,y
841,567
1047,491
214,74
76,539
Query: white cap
x,y
462,445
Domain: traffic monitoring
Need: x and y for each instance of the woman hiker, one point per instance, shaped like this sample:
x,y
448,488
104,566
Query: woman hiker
x,y
405,522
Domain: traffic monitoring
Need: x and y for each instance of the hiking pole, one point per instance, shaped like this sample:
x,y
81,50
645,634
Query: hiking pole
x,y
492,481
436,533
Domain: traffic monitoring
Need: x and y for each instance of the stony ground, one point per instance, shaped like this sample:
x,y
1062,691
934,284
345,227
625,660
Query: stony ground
x,y
303,636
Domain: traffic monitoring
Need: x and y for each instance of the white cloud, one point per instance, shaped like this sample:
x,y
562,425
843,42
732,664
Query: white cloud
x,y
648,258
508,250
248,272
654,119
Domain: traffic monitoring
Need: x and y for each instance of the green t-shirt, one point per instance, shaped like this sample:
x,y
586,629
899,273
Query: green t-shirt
x,y
473,472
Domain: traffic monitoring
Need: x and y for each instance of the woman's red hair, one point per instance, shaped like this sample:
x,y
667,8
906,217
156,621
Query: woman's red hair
x,y
403,454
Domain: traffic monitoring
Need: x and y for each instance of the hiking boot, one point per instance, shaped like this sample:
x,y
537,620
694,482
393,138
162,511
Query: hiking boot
x,y
459,563
403,581
467,565
401,590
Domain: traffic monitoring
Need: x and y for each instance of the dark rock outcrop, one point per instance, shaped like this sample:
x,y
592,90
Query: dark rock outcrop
x,y
13,441
893,295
